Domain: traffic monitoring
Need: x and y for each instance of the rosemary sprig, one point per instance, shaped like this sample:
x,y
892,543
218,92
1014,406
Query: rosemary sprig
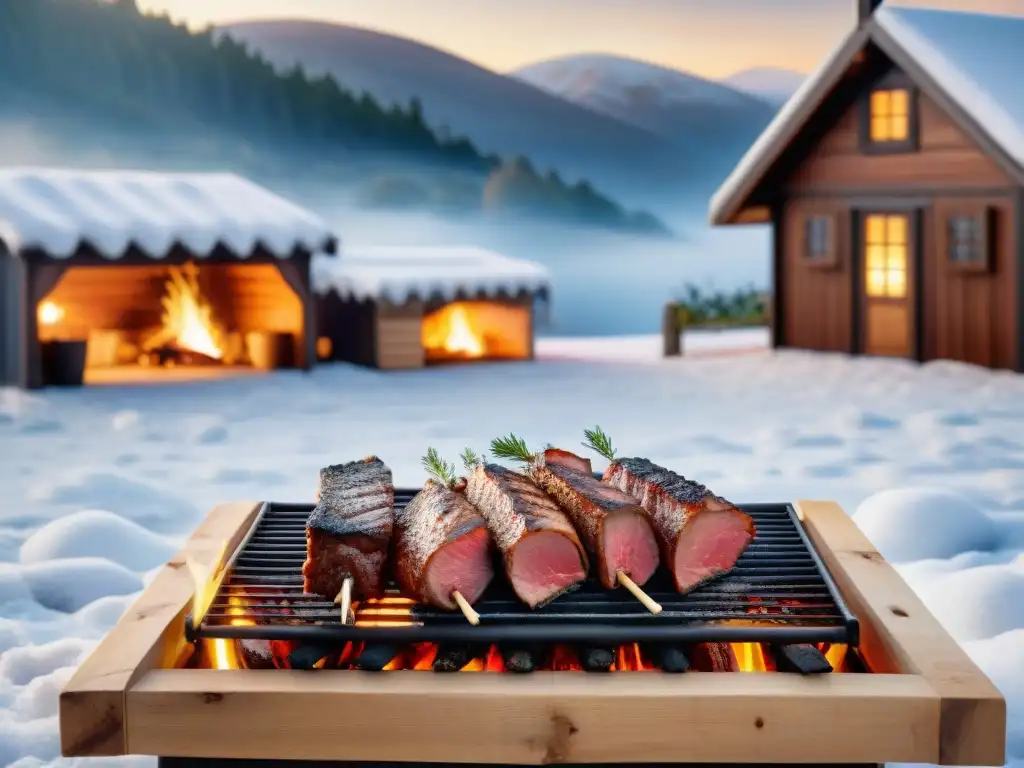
x,y
512,448
471,460
599,442
442,470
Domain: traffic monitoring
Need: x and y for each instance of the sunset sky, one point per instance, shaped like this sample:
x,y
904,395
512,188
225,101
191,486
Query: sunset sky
x,y
709,37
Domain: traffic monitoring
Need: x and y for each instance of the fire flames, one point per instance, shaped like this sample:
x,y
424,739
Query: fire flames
x,y
187,322
450,330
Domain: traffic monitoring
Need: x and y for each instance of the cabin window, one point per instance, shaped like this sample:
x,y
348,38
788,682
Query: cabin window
x,y
887,250
890,119
968,241
818,246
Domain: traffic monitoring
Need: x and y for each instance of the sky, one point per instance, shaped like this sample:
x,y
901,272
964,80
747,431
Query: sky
x,y
713,38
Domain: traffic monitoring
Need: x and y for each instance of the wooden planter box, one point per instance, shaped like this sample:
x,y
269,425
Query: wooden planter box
x,y
925,701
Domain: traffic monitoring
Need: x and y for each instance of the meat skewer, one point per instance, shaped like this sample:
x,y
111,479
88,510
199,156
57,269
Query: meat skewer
x,y
613,526
542,553
348,534
701,535
442,545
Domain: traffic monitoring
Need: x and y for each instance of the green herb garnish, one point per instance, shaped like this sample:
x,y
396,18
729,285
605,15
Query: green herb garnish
x,y
599,442
442,470
512,448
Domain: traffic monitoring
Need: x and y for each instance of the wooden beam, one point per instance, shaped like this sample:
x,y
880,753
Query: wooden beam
x,y
900,635
542,718
150,635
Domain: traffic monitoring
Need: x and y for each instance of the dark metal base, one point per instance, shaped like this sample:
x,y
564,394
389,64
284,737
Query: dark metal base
x,y
185,762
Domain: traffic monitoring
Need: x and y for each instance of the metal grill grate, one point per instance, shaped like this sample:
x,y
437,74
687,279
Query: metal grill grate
x,y
779,592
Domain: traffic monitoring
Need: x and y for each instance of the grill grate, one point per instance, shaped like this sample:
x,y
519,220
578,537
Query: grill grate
x,y
779,592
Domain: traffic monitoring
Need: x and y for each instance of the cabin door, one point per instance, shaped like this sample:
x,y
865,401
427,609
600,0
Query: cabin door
x,y
886,264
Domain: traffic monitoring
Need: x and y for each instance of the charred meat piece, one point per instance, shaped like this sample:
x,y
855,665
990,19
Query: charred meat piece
x,y
442,545
558,457
613,526
543,555
701,535
349,530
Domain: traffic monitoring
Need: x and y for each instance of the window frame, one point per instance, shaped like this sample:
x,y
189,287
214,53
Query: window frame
x,y
809,255
894,82
886,243
984,220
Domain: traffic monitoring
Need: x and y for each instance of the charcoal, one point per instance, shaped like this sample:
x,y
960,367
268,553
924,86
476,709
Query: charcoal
x,y
375,656
667,657
803,659
521,658
594,658
451,657
305,656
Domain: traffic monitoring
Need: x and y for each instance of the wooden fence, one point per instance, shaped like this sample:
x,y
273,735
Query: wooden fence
x,y
673,326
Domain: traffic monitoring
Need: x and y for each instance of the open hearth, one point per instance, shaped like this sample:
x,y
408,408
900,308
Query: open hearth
x,y
119,276
901,691
399,308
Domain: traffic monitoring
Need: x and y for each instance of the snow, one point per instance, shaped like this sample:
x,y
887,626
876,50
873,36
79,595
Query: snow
x,y
929,459
396,273
975,58
55,210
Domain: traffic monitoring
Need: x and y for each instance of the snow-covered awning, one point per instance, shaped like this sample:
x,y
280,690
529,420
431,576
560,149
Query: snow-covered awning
x,y
968,60
397,274
57,211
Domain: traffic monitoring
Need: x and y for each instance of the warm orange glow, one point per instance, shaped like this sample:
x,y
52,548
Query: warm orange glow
x,y
187,319
450,330
890,115
385,612
885,255
50,313
750,657
836,655
225,652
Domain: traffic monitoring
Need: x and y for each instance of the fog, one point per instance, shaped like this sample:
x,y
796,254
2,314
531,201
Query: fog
x,y
604,283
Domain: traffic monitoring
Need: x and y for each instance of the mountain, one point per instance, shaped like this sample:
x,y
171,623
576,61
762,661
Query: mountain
x,y
771,83
711,123
91,79
501,114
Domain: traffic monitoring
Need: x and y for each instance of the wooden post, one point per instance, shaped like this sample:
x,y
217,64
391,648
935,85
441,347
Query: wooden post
x,y
671,333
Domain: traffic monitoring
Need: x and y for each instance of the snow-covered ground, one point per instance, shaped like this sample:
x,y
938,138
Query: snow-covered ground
x,y
101,484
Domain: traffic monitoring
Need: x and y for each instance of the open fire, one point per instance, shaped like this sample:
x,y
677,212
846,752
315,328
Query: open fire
x,y
189,333
474,330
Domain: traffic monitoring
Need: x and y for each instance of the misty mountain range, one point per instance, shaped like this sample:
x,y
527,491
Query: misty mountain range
x,y
652,136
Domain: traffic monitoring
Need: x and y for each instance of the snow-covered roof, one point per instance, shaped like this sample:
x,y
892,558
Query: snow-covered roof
x,y
58,210
973,58
397,274
976,58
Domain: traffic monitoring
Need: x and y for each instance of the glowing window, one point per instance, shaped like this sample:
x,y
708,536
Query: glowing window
x,y
886,249
890,116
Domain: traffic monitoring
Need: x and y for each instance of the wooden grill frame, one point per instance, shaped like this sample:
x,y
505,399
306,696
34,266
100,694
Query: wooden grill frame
x,y
926,701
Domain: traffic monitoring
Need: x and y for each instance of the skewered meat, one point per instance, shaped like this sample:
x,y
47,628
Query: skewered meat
x,y
442,545
556,456
701,535
613,526
349,530
543,555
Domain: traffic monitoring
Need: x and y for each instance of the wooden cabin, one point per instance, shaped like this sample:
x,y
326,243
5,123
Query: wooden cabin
x,y
894,183
127,275
407,307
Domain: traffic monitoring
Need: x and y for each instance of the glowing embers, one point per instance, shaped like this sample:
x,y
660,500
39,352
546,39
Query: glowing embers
x,y
477,330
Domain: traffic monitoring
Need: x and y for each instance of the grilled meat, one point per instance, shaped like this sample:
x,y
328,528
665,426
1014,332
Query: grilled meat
x,y
556,456
442,545
349,530
543,555
612,524
701,535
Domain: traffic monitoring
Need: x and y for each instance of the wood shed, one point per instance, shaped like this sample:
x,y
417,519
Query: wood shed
x,y
407,307
107,276
894,184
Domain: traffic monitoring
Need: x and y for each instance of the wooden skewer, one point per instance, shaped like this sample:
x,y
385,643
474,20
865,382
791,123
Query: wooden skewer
x,y
345,598
638,593
467,610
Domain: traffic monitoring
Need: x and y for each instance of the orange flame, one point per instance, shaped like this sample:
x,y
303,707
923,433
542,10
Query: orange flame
x,y
449,329
188,320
